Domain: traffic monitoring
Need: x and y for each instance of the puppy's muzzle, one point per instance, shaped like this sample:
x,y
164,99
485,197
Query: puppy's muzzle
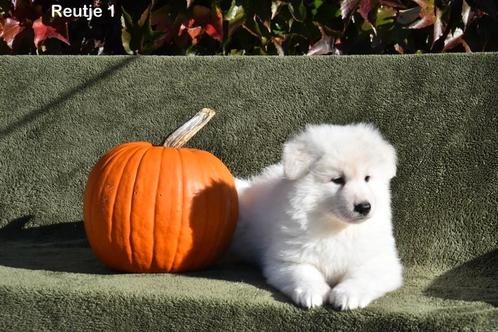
x,y
362,208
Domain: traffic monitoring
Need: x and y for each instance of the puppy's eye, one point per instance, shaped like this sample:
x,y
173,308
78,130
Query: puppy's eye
x,y
367,178
340,180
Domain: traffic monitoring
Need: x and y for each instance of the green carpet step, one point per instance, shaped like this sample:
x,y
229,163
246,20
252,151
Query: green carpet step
x,y
59,114
57,284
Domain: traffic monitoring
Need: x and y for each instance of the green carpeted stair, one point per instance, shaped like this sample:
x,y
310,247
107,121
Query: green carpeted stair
x,y
58,115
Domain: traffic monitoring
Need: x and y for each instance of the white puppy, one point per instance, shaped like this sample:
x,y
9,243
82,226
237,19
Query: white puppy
x,y
319,223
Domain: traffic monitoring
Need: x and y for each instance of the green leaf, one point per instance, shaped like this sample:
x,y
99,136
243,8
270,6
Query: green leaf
x,y
328,14
385,16
315,6
235,16
262,29
139,37
235,13
127,25
237,52
276,6
466,14
126,19
297,10
144,17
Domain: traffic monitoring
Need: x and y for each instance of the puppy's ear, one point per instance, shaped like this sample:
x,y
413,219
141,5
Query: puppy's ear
x,y
297,157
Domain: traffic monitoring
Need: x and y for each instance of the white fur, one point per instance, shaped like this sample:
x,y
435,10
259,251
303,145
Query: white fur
x,y
301,227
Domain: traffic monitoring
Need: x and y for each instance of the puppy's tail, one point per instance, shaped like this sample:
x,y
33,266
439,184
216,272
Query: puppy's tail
x,y
242,185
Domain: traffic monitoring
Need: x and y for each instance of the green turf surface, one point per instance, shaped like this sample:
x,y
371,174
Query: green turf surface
x,y
59,114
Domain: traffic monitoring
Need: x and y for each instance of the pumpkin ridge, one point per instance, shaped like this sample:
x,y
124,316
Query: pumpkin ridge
x,y
117,151
168,220
94,207
112,229
199,207
178,238
131,204
202,235
113,213
211,245
152,263
110,163
220,239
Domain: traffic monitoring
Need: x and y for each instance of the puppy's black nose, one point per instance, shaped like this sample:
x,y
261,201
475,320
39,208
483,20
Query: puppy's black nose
x,y
362,208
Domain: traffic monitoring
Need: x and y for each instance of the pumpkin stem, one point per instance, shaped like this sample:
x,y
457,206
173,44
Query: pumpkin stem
x,y
185,132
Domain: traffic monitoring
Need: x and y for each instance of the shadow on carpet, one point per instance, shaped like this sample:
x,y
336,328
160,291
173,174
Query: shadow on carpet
x,y
475,280
56,247
60,99
64,248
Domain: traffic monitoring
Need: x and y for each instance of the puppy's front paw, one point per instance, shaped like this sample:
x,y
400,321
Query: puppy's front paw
x,y
310,296
349,297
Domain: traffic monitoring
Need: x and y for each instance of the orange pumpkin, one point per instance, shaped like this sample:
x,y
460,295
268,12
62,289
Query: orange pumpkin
x,y
159,208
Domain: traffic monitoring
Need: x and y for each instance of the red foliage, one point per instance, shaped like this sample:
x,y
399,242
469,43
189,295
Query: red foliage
x,y
27,18
45,31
